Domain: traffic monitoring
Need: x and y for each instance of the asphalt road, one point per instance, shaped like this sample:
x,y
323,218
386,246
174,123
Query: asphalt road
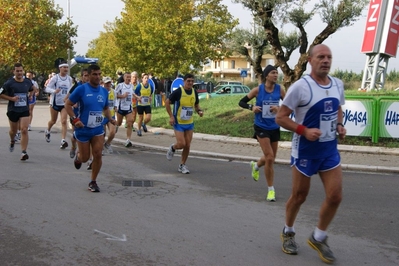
x,y
216,215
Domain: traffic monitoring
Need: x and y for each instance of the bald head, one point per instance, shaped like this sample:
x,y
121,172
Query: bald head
x,y
320,59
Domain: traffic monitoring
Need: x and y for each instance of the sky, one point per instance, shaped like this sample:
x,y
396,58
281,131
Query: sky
x,y
345,44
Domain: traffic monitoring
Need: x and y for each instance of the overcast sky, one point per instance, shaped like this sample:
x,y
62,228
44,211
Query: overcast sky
x,y
345,44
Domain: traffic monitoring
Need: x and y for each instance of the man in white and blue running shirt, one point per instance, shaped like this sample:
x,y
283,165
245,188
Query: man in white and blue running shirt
x,y
92,100
18,91
316,101
59,87
124,94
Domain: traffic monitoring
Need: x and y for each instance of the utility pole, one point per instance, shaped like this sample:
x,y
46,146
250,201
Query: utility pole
x,y
253,52
69,50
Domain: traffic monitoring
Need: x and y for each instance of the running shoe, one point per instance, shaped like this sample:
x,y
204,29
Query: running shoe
x,y
93,187
89,163
108,148
271,195
144,127
64,144
183,169
255,173
322,248
18,136
116,129
170,153
12,146
24,156
29,128
289,244
76,162
72,153
139,133
128,143
47,135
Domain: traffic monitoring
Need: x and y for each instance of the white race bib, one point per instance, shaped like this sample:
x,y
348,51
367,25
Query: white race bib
x,y
95,119
22,99
328,125
145,100
266,112
186,113
60,96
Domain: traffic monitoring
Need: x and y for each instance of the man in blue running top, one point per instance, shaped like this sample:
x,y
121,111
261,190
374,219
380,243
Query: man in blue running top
x,y
18,91
316,101
92,100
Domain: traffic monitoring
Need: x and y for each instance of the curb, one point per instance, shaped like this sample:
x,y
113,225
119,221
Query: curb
x,y
283,145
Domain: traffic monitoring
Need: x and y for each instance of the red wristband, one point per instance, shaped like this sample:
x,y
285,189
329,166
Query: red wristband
x,y
300,129
77,119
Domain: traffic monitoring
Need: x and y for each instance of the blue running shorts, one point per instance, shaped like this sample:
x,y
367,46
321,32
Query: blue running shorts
x,y
309,167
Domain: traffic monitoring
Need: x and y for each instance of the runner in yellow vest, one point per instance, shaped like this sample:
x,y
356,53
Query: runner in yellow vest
x,y
143,94
185,101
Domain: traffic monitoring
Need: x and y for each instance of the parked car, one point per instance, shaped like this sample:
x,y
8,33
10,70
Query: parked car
x,y
227,82
226,90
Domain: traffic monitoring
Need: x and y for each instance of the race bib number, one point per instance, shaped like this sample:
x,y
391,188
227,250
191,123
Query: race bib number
x,y
111,103
22,100
95,119
266,112
186,113
60,96
328,125
145,100
126,103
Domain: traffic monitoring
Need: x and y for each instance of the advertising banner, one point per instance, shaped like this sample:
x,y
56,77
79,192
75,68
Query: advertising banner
x,y
358,117
389,119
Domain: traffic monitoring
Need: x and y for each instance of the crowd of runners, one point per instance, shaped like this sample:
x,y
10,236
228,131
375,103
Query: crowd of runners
x,y
94,108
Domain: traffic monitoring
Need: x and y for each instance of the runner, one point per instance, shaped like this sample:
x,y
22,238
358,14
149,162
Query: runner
x,y
92,100
111,105
59,87
135,83
267,132
84,78
185,101
17,91
124,94
32,102
143,94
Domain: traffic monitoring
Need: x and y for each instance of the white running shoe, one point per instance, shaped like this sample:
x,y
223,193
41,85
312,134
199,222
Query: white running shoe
x,y
128,143
183,169
170,153
108,148
47,135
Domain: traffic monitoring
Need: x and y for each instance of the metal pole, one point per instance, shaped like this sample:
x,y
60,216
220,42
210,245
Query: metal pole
x,y
69,50
253,53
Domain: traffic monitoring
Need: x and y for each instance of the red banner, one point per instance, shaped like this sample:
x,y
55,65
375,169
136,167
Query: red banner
x,y
370,40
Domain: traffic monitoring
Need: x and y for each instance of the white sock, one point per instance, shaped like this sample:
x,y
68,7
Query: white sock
x,y
270,188
289,229
319,235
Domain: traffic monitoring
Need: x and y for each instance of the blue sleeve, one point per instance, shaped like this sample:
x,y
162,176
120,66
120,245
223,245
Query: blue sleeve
x,y
152,89
77,94
137,90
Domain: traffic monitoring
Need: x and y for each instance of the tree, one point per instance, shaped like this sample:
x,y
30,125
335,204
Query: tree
x,y
105,49
171,35
334,14
30,33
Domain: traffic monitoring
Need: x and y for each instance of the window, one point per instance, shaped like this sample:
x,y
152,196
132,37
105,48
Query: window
x,y
233,64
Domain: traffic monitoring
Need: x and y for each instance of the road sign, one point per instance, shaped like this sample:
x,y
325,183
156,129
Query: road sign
x,y
244,73
177,83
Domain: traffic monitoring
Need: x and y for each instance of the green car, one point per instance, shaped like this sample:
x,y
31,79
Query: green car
x,y
226,90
